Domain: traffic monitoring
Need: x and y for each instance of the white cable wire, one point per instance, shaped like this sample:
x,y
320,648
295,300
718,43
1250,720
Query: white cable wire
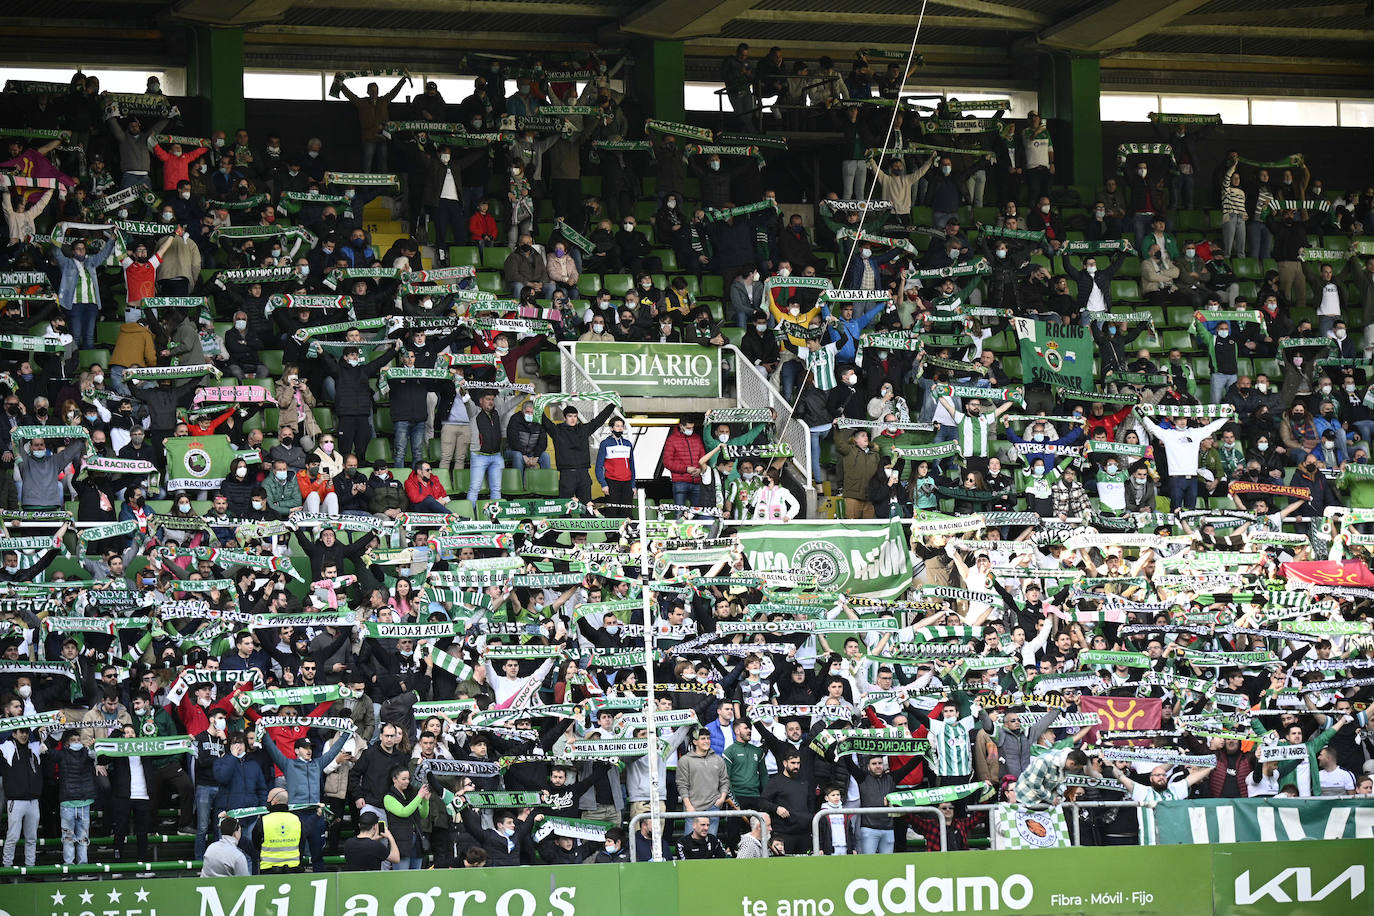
x,y
887,138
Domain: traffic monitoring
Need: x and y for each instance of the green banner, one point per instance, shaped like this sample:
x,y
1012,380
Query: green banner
x,y
1264,820
1292,879
1055,354
643,370
198,462
872,560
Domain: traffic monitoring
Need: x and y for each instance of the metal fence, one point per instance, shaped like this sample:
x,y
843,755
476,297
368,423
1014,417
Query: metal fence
x,y
816,821
688,815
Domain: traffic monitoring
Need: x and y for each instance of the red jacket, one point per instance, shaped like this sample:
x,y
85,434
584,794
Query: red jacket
x,y
195,719
175,168
417,490
482,226
896,762
1108,421
285,737
682,452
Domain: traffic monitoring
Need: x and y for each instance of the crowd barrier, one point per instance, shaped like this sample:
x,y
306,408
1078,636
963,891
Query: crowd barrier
x,y
692,815
1254,879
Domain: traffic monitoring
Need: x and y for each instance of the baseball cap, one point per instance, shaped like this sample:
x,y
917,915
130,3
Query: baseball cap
x,y
367,819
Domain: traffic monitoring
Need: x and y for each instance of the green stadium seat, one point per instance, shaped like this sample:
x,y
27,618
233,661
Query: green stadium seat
x,y
1247,269
489,281
94,358
668,257
381,421
1127,290
542,481
1180,317
692,286
107,332
462,479
922,216
272,360
712,287
511,483
494,257
644,210
1129,268
619,284
589,285
1181,339
734,335
1012,365
465,256
591,185
550,363
378,448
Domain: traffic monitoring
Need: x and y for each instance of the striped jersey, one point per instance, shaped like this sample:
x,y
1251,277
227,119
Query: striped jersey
x,y
975,435
821,363
1144,792
951,748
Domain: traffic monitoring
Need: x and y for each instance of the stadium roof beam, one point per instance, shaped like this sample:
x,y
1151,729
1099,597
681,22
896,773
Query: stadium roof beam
x,y
679,19
1115,24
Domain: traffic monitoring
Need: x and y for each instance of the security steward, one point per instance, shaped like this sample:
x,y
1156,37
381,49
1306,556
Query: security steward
x,y
278,836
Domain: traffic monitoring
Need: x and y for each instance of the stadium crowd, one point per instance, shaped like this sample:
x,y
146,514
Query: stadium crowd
x,y
339,648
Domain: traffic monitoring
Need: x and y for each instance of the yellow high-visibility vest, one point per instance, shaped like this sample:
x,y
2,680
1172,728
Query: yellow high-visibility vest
x,y
281,840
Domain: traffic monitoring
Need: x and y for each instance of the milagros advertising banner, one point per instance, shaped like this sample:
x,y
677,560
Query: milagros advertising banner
x,y
868,559
1256,879
651,370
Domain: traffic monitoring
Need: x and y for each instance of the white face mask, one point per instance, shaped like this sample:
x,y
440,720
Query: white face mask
x,y
1090,269
865,253
628,227
444,158
1099,213
1189,252
715,166
1340,333
1262,386
515,173
1044,208
1142,172
24,690
1001,253
1111,469
241,473
945,169
240,325
724,437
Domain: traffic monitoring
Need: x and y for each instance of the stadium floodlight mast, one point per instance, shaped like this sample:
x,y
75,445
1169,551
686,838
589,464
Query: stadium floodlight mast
x,y
655,790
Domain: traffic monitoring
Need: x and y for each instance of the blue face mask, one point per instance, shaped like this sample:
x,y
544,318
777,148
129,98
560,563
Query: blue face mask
x,y
281,475
40,453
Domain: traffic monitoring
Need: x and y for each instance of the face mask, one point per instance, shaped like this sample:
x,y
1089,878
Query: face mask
x,y
1111,330
1044,208
280,475
1340,333
945,169
1189,252
40,453
508,831
241,753
1223,333
598,327
1142,172
305,270
123,214
1326,389
1038,471
74,744
313,154
1099,213
1111,469
628,227
865,253
796,309
515,173
724,437
502,351
1262,446
355,361
217,725
715,166
25,690
612,849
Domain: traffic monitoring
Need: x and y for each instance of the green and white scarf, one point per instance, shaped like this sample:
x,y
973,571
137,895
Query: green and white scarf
x,y
245,275
292,696
155,373
362,179
1016,395
925,798
1160,117
1127,150
143,747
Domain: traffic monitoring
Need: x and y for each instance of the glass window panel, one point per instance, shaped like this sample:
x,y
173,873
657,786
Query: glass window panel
x,y
1128,106
1294,112
1357,114
305,86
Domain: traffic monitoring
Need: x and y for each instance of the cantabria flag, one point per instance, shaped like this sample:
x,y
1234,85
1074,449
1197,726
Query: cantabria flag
x,y
1014,827
1055,354
198,462
1264,820
859,558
